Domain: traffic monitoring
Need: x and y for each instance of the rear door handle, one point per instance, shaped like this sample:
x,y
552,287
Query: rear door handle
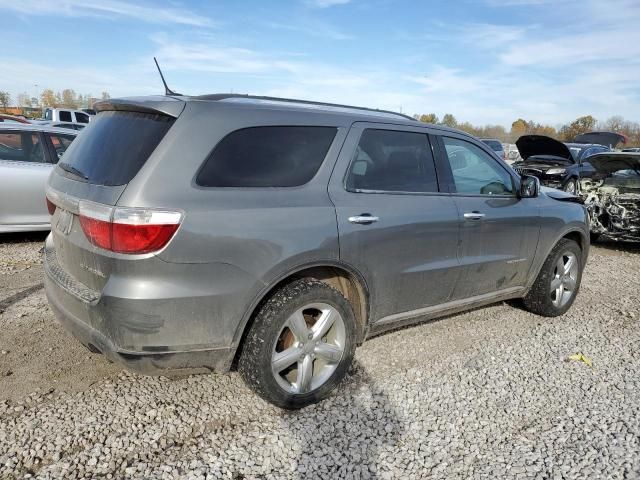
x,y
474,216
364,219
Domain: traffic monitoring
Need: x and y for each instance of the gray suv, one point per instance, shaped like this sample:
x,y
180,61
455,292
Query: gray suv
x,y
208,233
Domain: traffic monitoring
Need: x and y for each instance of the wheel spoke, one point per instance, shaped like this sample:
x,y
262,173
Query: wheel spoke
x,y
555,283
569,284
305,374
324,323
569,264
329,352
284,359
298,326
560,266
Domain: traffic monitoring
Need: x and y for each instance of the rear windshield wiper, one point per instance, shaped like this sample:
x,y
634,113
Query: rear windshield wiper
x,y
73,170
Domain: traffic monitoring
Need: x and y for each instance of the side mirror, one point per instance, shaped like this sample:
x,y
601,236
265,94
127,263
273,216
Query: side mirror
x,y
529,186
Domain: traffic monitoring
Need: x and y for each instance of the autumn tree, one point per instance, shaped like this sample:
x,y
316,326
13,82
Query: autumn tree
x,y
580,125
429,118
449,120
519,128
5,99
48,98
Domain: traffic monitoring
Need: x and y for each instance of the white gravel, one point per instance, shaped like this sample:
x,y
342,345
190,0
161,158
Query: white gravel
x,y
487,394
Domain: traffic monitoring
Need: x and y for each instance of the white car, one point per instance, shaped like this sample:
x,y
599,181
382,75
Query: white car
x,y
28,154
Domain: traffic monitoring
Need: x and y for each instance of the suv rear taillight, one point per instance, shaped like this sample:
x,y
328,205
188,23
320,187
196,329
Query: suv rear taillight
x,y
51,207
128,230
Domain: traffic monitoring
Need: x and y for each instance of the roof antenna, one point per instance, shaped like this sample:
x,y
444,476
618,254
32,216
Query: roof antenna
x,y
167,90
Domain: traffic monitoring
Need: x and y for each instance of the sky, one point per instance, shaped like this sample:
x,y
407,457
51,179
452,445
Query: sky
x,y
484,61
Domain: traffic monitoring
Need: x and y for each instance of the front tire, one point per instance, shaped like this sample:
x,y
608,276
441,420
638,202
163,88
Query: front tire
x,y
300,345
558,282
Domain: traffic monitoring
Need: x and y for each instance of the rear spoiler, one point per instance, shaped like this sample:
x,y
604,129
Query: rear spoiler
x,y
164,105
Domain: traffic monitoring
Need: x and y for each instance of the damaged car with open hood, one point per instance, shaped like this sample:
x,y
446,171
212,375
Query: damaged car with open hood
x,y
557,164
612,195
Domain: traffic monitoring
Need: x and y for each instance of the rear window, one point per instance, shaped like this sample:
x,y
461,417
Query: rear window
x,y
267,157
114,146
494,145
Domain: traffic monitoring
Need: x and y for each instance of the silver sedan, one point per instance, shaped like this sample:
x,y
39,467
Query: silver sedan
x,y
28,153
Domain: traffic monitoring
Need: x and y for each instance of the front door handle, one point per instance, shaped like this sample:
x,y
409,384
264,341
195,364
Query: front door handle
x,y
474,216
364,219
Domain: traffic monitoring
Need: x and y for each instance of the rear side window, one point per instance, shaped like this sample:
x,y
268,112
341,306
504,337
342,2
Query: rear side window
x,y
114,146
267,157
65,116
60,143
392,161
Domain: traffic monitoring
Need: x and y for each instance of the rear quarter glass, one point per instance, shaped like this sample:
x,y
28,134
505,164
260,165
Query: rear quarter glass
x,y
272,156
115,145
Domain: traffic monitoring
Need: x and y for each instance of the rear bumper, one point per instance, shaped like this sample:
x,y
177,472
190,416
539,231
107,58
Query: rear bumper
x,y
98,321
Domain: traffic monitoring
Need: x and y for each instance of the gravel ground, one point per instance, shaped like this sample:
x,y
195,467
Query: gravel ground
x,y
488,394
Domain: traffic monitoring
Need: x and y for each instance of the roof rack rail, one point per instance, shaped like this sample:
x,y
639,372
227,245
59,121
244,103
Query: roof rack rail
x,y
224,96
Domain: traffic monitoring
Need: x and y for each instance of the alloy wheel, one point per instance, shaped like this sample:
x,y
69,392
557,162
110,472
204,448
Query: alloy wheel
x,y
564,281
309,348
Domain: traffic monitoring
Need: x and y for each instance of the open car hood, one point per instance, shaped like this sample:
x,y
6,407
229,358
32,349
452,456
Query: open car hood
x,y
609,139
610,162
530,145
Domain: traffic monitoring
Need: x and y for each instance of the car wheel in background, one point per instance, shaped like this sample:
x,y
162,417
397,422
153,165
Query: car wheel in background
x,y
558,282
571,186
300,345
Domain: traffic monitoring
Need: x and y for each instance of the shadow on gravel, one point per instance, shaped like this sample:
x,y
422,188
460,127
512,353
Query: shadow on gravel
x,y
348,434
617,245
22,237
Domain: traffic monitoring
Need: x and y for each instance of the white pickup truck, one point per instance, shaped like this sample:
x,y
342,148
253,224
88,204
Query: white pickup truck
x,y
64,115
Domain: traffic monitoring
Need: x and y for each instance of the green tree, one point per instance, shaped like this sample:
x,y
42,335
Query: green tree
x,y
449,120
5,99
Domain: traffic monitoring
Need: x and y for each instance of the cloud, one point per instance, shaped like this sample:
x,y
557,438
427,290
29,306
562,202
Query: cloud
x,y
326,3
110,9
313,28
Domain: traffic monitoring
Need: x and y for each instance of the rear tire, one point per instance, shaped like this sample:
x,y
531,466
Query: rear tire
x,y
288,358
558,282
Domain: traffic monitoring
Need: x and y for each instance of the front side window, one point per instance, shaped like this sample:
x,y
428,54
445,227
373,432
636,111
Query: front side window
x,y
65,116
60,143
82,117
21,147
474,171
392,161
267,157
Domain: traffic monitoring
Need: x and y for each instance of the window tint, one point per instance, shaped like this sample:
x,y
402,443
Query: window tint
x,y
114,146
475,171
393,161
82,117
267,157
494,145
60,143
65,116
21,147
